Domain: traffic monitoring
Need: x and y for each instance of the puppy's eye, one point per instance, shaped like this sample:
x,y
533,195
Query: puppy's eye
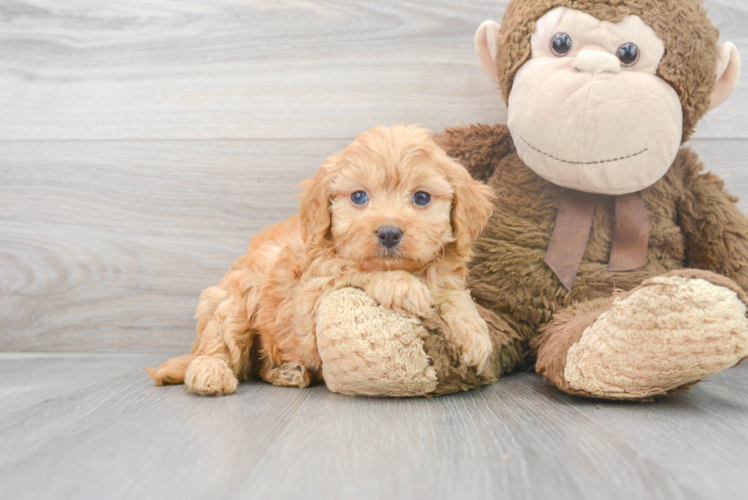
x,y
421,199
628,53
561,44
359,198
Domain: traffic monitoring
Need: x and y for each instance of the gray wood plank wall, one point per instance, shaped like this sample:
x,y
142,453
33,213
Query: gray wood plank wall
x,y
143,143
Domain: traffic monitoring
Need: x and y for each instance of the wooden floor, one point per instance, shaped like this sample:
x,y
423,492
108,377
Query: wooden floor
x,y
93,426
142,143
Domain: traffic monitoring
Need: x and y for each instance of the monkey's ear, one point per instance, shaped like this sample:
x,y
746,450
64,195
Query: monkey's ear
x,y
728,73
486,45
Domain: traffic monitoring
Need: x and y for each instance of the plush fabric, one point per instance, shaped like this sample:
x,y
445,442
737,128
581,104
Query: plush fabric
x,y
369,350
689,64
373,352
605,128
694,223
671,331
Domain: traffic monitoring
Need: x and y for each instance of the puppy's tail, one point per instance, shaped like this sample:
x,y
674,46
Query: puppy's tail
x,y
172,371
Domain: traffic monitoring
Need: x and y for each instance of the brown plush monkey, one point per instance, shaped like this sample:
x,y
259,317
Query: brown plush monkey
x,y
611,256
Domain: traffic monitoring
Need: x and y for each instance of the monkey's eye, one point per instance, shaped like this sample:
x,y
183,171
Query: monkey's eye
x,y
628,53
561,44
421,198
359,198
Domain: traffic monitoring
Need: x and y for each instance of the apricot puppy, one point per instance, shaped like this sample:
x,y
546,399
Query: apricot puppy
x,y
393,215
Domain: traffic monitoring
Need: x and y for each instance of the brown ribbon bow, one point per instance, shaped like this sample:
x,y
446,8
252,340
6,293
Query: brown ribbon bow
x,y
572,232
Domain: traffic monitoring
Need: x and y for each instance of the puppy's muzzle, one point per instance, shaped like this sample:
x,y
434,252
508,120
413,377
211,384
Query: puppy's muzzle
x,y
389,236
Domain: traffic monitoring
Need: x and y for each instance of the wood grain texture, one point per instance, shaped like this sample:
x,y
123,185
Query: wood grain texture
x,y
143,143
129,176
95,427
89,69
105,246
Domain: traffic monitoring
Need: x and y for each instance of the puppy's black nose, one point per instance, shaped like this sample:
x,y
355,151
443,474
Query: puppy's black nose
x,y
389,236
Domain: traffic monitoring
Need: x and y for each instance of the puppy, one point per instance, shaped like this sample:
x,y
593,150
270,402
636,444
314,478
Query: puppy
x,y
393,215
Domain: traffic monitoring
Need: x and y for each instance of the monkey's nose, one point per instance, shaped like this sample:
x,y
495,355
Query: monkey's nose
x,y
389,235
594,61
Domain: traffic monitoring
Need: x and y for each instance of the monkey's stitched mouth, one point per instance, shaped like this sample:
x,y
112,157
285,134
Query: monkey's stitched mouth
x,y
598,162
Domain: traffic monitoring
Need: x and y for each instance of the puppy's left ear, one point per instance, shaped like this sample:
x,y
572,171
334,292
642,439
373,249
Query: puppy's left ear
x,y
471,208
314,206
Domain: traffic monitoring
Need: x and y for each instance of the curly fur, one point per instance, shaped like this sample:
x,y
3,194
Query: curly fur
x,y
271,294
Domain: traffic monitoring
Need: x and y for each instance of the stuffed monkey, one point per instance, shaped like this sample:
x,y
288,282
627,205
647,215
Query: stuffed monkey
x,y
612,261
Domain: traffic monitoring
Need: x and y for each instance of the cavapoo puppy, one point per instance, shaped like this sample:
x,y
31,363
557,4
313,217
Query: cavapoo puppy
x,y
393,215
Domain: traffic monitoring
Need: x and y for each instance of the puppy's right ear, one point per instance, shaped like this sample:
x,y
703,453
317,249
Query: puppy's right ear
x,y
314,206
486,46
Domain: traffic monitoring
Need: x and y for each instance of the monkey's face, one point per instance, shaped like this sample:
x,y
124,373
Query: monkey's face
x,y
587,111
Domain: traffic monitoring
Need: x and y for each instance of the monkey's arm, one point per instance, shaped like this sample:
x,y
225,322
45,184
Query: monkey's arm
x,y
716,231
479,148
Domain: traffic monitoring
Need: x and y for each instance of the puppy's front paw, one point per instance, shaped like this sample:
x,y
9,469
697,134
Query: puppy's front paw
x,y
416,300
401,291
471,331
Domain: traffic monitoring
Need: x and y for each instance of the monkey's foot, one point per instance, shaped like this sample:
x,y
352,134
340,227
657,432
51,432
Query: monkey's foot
x,y
666,335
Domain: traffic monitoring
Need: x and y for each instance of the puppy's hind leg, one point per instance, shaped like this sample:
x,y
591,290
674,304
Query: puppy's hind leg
x,y
220,355
222,348
288,374
205,375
